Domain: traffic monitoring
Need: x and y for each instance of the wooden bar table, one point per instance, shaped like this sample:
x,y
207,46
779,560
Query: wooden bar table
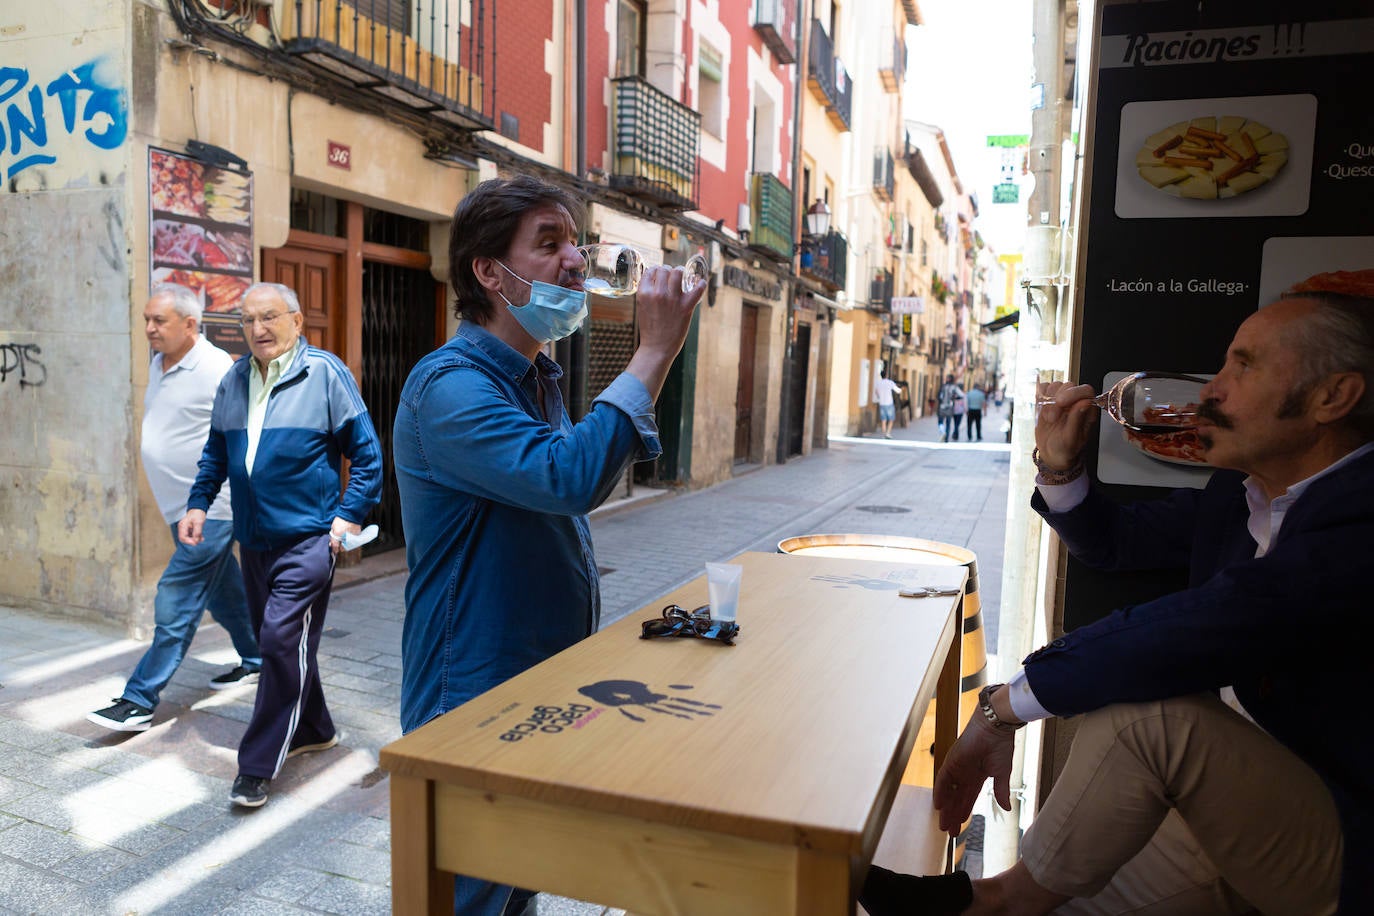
x,y
680,776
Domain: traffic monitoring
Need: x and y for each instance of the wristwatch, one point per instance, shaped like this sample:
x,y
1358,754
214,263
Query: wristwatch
x,y
985,706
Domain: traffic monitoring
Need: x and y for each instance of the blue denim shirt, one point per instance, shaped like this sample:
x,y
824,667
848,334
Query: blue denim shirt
x,y
494,497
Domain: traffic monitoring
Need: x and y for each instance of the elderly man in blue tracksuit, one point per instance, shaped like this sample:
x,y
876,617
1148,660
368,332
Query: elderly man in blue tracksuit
x,y
283,419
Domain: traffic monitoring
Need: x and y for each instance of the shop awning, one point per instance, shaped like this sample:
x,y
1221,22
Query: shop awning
x,y
1005,321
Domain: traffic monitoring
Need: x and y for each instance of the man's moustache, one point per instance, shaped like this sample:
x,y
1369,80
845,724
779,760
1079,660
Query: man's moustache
x,y
1208,410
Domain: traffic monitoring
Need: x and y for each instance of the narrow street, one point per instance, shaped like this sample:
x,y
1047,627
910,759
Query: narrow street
x,y
97,822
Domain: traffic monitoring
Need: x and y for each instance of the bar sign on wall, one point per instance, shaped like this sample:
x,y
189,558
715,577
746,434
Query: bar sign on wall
x,y
340,156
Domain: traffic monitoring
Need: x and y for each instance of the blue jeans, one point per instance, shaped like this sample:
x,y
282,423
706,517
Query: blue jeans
x,y
200,578
475,897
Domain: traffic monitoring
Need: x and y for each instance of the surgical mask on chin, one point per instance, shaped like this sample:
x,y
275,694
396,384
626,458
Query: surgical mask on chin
x,y
552,313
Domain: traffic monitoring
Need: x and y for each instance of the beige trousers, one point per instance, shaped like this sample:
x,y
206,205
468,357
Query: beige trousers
x,y
1185,807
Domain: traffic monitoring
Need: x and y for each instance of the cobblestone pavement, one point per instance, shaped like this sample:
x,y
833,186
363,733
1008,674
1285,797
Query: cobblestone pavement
x,y
95,822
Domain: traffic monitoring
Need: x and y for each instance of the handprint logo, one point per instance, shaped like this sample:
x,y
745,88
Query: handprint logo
x,y
632,693
876,585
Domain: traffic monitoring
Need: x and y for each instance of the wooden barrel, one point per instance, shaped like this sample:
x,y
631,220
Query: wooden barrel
x,y
973,667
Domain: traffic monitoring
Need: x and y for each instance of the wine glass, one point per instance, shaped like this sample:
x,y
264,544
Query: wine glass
x,y
614,271
1151,402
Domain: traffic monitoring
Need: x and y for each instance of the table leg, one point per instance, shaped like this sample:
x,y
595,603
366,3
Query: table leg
x,y
947,697
417,887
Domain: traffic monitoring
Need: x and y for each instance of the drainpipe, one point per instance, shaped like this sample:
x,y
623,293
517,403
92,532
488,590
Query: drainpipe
x,y
784,397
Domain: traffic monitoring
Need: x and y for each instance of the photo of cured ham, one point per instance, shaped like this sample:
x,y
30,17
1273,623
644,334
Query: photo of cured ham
x,y
176,185
1212,158
228,249
1181,447
1340,282
177,243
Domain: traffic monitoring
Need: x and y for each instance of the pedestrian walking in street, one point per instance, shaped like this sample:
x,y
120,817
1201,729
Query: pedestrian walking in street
x,y
975,399
185,372
495,480
1210,772
283,418
949,398
883,389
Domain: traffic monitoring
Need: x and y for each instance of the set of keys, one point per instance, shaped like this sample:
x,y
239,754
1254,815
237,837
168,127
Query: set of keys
x,y
928,591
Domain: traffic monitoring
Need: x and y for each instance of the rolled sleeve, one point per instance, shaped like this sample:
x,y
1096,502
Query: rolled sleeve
x,y
628,395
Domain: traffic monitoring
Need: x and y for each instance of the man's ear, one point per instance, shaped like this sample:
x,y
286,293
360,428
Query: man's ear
x,y
487,272
1337,395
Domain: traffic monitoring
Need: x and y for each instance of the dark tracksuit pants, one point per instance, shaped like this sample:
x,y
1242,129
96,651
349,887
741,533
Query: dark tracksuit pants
x,y
288,592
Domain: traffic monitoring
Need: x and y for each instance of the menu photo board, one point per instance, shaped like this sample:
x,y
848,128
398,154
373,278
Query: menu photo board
x,y
1229,162
201,228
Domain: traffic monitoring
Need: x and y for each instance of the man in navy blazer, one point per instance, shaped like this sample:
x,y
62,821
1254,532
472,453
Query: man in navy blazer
x,y
1175,799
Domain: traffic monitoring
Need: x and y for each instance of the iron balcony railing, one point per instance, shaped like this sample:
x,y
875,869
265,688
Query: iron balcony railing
x,y
828,78
429,55
657,145
770,203
884,173
826,259
892,69
880,291
773,21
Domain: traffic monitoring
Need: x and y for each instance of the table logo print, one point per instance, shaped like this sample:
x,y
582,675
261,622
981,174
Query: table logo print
x,y
626,695
877,585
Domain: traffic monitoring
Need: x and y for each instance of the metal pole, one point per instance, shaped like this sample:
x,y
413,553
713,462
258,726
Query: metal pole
x,y
1022,549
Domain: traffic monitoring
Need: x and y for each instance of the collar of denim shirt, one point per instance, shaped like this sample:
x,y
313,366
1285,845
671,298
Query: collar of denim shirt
x,y
505,358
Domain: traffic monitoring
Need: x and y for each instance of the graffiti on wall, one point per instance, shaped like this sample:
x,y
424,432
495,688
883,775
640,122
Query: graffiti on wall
x,y
21,360
43,120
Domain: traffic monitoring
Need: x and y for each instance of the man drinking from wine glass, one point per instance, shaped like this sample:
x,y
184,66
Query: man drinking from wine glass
x,y
1174,800
495,479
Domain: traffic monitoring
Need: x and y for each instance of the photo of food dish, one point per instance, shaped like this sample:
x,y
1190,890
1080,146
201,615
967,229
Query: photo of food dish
x,y
1216,157
1183,447
1212,158
223,293
1341,264
177,243
1173,459
227,196
227,250
176,184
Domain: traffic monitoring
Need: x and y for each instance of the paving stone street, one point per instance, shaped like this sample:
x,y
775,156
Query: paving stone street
x,y
97,822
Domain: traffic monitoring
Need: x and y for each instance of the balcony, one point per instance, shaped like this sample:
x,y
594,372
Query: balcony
x,y
880,291
884,173
657,144
409,51
825,259
773,21
770,203
828,79
892,69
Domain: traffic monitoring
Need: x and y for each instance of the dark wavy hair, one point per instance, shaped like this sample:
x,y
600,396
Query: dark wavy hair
x,y
484,223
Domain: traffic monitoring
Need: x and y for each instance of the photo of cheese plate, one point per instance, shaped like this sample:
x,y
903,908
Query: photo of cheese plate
x,y
1227,157
1212,158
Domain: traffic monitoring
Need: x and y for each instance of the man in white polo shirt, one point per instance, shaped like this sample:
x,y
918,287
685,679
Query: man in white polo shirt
x,y
182,379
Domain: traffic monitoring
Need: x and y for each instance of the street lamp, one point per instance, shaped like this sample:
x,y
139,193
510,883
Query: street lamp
x,y
818,218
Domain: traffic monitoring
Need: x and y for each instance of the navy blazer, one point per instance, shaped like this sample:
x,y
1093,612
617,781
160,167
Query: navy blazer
x,y
1290,630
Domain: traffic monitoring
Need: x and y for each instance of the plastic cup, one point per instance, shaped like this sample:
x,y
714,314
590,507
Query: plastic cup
x,y
722,589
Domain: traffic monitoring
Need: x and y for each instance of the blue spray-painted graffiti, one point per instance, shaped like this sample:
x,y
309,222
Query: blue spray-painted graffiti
x,y
85,100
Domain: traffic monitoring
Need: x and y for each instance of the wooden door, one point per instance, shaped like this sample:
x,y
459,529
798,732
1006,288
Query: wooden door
x,y
801,358
744,393
316,275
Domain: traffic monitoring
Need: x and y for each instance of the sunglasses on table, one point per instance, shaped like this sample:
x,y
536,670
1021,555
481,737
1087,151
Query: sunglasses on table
x,y
678,621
